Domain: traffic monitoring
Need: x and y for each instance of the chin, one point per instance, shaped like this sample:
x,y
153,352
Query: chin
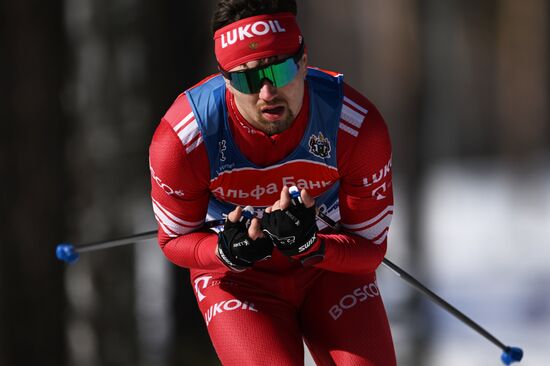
x,y
272,127
279,126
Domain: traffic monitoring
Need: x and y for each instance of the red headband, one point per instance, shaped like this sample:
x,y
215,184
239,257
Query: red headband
x,y
255,38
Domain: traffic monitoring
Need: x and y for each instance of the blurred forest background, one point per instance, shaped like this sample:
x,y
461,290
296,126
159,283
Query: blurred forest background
x,y
464,87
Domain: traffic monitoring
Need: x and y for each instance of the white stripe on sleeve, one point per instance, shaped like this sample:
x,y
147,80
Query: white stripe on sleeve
x,y
355,105
348,129
164,228
173,223
192,224
183,121
189,132
370,221
381,239
372,232
352,117
194,145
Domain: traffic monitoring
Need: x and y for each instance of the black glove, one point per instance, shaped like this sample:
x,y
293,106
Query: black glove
x,y
293,230
237,250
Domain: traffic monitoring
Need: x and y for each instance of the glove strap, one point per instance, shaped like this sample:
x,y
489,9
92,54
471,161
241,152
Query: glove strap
x,y
315,257
225,257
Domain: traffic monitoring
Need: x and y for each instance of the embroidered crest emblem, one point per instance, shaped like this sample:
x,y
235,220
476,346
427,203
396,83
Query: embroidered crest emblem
x,y
319,146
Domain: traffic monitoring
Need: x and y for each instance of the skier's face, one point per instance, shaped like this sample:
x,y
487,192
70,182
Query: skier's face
x,y
272,109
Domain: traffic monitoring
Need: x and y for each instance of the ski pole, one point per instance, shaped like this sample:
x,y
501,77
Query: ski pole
x,y
509,354
70,253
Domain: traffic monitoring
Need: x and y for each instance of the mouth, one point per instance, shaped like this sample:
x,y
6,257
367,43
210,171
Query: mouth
x,y
273,113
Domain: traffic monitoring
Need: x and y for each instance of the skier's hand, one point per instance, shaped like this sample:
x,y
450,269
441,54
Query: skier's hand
x,y
291,223
242,242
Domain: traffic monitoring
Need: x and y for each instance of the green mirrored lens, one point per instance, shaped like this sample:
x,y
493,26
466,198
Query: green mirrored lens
x,y
251,81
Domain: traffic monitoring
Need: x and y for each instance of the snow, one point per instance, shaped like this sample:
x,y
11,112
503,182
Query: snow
x,y
487,233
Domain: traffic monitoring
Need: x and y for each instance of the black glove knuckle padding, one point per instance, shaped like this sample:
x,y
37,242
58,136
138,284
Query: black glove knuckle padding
x,y
293,230
238,249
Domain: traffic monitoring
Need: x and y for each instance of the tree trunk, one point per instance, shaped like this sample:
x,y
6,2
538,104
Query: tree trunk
x,y
34,187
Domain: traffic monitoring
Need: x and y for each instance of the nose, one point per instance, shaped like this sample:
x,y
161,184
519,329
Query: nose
x,y
268,92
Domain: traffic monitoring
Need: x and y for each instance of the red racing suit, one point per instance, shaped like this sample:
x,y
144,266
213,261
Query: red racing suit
x,y
260,316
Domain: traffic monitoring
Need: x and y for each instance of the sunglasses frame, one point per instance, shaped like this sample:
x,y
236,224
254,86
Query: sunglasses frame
x,y
249,73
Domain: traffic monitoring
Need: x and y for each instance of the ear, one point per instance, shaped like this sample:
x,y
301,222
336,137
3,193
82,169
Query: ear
x,y
228,86
303,65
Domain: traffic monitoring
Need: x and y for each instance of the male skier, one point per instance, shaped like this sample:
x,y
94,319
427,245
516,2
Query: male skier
x,y
241,138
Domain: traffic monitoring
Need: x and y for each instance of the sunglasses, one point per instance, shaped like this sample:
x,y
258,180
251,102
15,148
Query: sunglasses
x,y
279,74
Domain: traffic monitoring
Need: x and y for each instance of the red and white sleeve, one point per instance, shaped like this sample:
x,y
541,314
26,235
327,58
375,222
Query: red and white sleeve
x,y
366,192
179,189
